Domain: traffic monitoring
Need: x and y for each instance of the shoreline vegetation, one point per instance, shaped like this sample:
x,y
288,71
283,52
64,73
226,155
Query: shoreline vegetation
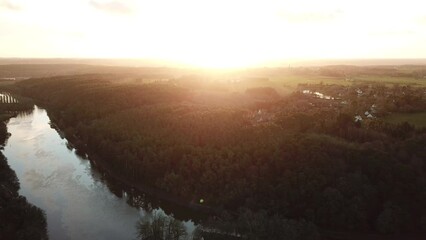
x,y
19,219
321,159
155,192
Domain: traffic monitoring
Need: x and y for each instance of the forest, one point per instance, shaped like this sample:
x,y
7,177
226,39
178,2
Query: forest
x,y
318,160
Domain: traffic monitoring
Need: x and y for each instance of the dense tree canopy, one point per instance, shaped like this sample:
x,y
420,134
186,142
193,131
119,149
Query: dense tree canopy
x,y
302,157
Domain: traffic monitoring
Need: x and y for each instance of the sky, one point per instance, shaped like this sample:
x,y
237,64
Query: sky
x,y
218,33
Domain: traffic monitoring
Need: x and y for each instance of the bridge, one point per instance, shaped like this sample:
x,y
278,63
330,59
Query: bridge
x,y
6,97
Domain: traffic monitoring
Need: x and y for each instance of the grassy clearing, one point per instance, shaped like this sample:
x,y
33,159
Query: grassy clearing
x,y
420,82
294,80
417,119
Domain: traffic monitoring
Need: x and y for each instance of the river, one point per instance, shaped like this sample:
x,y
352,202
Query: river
x,y
78,201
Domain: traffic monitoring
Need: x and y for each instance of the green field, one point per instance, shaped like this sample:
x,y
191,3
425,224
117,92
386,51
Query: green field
x,y
417,119
389,80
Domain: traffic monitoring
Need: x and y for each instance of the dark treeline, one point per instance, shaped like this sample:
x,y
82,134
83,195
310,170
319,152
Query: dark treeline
x,y
18,218
157,226
302,158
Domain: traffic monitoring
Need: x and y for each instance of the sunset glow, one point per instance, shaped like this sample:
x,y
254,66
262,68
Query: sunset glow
x,y
212,33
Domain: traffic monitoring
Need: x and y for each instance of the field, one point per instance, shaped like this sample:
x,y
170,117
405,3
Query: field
x,y
390,80
416,119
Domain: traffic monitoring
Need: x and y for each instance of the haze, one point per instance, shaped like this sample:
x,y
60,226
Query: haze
x,y
212,33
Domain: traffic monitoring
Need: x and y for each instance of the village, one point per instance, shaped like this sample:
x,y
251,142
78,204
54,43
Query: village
x,y
367,102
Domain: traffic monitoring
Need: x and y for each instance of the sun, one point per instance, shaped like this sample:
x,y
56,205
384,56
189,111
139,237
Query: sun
x,y
211,36
219,59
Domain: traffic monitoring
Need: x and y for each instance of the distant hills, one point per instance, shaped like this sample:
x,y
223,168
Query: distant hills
x,y
167,63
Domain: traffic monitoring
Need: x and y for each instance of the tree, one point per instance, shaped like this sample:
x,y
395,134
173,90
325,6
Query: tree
x,y
159,226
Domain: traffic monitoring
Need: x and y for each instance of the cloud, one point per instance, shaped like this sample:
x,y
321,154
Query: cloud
x,y
392,33
422,20
310,17
9,5
114,6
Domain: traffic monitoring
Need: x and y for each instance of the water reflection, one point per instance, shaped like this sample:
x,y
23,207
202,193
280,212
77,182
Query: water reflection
x,y
80,202
318,94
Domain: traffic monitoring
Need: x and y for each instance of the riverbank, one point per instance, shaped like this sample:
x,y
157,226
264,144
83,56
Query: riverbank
x,y
19,219
159,194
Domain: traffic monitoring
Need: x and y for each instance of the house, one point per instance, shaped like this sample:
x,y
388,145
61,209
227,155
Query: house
x,y
358,118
